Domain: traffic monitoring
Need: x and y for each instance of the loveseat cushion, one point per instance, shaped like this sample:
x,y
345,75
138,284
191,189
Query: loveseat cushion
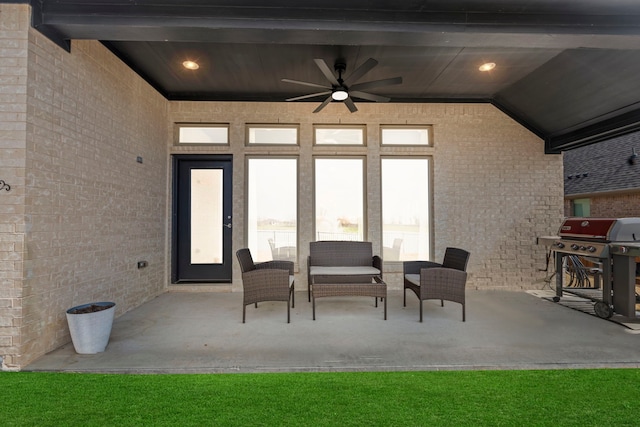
x,y
344,271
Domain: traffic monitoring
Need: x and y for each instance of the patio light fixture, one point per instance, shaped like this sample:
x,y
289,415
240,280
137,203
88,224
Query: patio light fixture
x,y
339,95
488,66
190,65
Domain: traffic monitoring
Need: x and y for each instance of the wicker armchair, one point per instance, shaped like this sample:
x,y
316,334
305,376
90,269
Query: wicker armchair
x,y
431,280
265,281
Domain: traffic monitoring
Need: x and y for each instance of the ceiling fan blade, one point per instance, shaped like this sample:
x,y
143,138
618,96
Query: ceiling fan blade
x,y
324,104
298,82
311,95
350,105
368,96
361,71
327,71
377,83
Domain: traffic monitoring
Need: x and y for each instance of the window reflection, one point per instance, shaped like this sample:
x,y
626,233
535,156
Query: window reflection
x,y
405,209
339,199
272,208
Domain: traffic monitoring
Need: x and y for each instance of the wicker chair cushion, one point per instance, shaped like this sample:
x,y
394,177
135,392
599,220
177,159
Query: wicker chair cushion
x,y
414,279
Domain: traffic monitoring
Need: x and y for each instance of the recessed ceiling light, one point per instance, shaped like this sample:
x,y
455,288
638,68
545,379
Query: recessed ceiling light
x,y
190,65
488,66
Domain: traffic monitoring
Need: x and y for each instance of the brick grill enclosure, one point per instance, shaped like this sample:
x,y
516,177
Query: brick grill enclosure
x,y
81,211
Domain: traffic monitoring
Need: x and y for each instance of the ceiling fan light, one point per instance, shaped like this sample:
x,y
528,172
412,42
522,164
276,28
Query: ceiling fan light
x,y
339,95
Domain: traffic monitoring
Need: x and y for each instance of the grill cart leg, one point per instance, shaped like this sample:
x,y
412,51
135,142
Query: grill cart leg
x,y
623,294
559,276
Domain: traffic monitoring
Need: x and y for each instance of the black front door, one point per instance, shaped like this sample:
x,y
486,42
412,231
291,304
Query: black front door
x,y
201,218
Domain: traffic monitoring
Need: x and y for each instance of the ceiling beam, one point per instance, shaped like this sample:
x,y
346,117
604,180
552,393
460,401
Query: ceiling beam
x,y
374,22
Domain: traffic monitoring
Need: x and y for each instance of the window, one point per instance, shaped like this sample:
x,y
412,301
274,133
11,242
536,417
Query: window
x,y
582,207
272,208
405,209
214,134
272,135
402,135
339,198
339,135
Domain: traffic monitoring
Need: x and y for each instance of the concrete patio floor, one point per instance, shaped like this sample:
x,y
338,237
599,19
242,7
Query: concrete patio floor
x,y
203,333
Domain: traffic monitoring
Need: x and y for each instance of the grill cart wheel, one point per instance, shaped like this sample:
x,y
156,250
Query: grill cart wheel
x,y
556,299
603,309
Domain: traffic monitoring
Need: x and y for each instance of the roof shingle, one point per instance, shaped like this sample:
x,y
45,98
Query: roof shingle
x,y
603,166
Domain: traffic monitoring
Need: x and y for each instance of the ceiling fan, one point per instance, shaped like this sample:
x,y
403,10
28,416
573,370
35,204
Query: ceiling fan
x,y
343,90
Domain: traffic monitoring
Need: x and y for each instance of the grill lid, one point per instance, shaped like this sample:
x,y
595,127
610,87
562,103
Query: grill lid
x,y
601,229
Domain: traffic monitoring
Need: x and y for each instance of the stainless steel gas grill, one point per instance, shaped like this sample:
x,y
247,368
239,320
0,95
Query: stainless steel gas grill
x,y
612,243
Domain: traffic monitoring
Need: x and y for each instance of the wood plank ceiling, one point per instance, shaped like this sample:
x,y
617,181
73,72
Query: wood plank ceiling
x,y
567,70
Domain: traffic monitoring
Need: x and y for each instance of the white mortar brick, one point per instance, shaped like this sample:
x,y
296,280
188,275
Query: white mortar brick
x,y
14,24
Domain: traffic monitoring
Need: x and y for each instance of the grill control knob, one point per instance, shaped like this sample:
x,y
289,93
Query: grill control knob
x,y
623,249
591,249
574,247
583,248
560,245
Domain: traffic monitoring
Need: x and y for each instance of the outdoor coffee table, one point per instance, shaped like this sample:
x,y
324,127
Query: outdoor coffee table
x,y
377,289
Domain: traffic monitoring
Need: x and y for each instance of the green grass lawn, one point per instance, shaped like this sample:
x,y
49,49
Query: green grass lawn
x,y
448,398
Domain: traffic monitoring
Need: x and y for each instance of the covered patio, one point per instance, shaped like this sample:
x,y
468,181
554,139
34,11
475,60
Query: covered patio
x,y
92,105
182,332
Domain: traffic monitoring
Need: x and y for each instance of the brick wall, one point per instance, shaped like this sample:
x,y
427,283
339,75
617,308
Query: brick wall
x,y
616,205
89,210
14,27
495,190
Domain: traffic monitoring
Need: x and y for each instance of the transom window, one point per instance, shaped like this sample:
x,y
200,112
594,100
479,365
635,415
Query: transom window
x,y
203,134
339,135
405,135
272,134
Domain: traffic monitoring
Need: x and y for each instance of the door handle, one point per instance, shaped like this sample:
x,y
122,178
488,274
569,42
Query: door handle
x,y
227,225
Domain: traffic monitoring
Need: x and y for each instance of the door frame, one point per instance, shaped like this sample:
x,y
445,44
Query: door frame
x,y
176,160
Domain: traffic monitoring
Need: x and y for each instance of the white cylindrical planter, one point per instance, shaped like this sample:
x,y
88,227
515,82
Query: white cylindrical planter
x,y
90,326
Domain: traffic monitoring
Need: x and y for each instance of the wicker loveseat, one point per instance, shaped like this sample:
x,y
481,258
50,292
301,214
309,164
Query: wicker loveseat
x,y
344,268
